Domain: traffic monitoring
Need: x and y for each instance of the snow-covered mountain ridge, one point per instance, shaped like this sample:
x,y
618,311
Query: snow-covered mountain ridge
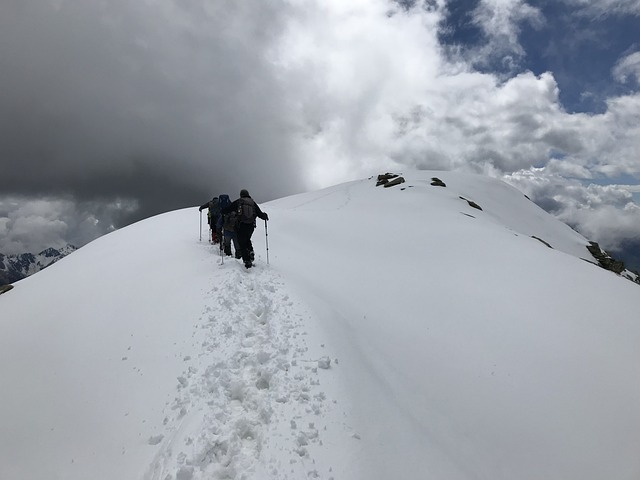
x,y
17,267
529,224
395,333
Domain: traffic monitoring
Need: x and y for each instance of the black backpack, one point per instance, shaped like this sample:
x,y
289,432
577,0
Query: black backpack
x,y
223,201
246,210
230,221
214,207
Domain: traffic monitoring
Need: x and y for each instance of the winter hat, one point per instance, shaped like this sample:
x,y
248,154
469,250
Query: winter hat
x,y
244,193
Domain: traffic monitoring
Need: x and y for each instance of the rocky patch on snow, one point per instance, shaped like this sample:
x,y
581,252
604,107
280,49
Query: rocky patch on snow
x,y
384,178
606,261
472,203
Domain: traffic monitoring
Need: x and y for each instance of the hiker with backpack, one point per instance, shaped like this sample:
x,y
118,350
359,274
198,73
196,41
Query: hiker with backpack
x,y
213,213
246,210
227,223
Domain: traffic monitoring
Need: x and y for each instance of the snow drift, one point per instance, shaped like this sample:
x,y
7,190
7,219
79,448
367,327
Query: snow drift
x,y
395,333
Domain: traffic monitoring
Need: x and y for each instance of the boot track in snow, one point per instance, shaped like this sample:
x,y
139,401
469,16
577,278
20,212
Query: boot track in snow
x,y
251,394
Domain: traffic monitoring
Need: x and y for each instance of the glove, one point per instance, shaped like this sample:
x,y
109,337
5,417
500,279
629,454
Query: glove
x,y
200,209
266,217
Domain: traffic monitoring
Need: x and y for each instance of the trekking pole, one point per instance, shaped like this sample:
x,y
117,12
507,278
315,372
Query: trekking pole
x,y
221,251
266,239
200,225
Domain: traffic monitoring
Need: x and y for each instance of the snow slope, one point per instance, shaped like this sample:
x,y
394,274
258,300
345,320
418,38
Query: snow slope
x,y
396,333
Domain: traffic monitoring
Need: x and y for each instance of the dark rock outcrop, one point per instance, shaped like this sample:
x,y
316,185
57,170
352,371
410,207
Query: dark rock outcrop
x,y
384,178
542,241
394,182
389,180
605,260
472,204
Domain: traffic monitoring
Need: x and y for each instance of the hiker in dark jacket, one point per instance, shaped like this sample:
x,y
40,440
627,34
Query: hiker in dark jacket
x,y
227,223
212,216
246,212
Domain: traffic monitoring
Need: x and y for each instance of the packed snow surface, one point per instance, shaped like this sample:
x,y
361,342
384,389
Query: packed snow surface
x,y
394,333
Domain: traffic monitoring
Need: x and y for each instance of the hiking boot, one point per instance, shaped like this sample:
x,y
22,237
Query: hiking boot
x,y
238,256
248,265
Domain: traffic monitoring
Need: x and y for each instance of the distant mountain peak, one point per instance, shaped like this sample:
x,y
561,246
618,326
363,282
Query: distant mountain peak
x,y
19,266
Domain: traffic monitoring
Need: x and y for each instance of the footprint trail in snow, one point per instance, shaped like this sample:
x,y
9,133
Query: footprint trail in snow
x,y
250,403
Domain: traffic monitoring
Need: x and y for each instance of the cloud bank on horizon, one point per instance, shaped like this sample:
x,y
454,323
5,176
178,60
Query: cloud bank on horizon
x,y
114,111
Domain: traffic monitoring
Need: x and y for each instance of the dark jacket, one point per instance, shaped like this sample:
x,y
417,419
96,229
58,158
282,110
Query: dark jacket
x,y
256,209
211,204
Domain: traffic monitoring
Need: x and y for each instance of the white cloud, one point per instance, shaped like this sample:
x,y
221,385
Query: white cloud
x,y
371,102
32,225
500,22
602,213
607,7
349,74
609,225
627,68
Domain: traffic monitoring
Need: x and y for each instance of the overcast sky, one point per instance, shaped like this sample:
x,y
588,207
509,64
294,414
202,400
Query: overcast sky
x,y
114,110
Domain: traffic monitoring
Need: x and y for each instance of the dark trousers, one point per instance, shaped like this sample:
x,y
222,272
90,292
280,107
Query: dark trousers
x,y
244,232
230,236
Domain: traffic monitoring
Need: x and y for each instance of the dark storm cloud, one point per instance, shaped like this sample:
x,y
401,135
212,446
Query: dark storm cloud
x,y
159,102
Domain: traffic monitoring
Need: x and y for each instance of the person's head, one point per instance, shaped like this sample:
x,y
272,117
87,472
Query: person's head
x,y
244,193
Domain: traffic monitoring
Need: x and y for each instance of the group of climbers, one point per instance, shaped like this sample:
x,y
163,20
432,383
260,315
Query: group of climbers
x,y
234,222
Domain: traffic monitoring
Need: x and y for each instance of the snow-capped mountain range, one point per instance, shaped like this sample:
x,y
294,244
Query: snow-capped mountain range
x,y
449,330
17,267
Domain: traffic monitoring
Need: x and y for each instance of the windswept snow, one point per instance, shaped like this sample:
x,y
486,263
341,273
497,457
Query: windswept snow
x,y
395,333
